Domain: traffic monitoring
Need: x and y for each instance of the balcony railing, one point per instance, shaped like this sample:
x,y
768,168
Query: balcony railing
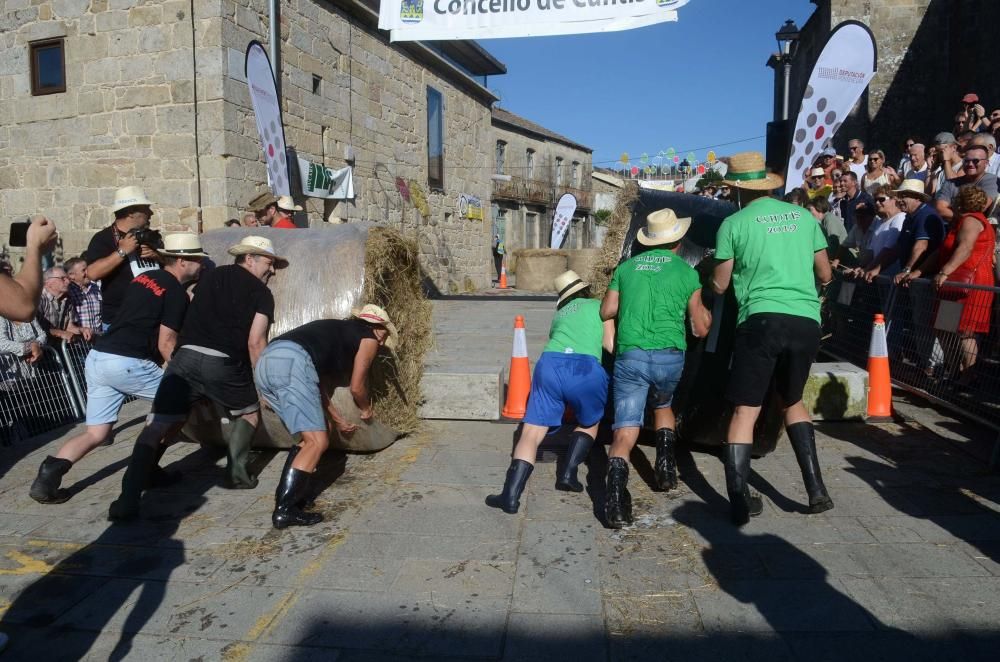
x,y
584,198
520,189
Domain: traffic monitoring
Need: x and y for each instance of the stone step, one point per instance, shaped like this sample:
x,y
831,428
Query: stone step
x,y
465,393
836,392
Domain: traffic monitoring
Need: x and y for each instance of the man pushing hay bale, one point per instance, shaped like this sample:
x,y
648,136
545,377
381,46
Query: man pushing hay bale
x,y
334,271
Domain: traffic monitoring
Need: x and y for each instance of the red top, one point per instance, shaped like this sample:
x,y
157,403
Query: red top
x,y
976,304
285,223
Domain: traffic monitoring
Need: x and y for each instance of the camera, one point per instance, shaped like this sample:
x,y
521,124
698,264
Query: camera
x,y
147,237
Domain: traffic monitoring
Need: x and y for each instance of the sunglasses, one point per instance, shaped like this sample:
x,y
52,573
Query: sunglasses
x,y
910,144
854,148
874,158
972,162
881,199
58,277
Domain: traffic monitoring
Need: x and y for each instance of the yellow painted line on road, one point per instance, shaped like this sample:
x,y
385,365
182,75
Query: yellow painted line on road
x,y
27,565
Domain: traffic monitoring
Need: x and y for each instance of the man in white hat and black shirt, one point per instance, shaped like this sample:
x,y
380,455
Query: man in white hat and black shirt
x,y
653,295
283,216
772,252
224,333
116,255
127,360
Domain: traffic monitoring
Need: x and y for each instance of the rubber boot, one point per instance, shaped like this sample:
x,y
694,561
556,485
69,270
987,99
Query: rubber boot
x,y
665,468
239,441
618,507
126,506
579,448
803,440
743,505
160,477
291,489
509,500
45,489
307,501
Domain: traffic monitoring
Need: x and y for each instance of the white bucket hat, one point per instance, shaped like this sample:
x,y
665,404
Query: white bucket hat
x,y
182,244
375,315
286,203
254,245
129,196
567,284
663,227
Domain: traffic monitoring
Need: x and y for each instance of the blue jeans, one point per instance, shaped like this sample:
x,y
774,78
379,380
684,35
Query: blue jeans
x,y
636,372
111,377
287,380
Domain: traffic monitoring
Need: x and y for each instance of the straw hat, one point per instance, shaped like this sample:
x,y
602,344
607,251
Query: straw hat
x,y
914,188
182,244
374,315
747,171
663,227
262,201
254,245
817,172
129,196
567,284
286,203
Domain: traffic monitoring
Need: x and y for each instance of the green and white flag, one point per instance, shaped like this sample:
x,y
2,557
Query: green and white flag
x,y
318,181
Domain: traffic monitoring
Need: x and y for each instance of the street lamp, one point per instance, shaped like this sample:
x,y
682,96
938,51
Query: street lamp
x,y
787,35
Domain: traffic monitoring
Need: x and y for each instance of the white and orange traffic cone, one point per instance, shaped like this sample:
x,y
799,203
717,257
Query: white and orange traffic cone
x,y
519,375
503,273
879,382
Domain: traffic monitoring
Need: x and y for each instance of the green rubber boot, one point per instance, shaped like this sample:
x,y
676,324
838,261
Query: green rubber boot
x,y
239,442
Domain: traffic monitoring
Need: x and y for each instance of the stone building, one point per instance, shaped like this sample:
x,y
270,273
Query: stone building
x,y
155,95
930,54
532,168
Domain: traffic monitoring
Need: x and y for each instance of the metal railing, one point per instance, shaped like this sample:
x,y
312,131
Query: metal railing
x,y
943,343
40,398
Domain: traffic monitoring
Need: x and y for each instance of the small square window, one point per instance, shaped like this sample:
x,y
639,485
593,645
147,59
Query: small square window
x,y
48,67
317,82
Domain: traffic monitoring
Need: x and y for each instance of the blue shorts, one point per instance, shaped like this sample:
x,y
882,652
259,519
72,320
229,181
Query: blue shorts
x,y
110,378
287,380
577,380
636,372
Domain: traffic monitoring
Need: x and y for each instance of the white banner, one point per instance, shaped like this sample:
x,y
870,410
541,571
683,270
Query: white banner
x,y
565,209
409,20
318,181
267,111
841,74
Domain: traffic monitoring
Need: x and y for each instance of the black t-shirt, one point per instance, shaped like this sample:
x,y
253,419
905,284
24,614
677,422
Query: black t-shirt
x,y
225,303
332,344
113,286
151,299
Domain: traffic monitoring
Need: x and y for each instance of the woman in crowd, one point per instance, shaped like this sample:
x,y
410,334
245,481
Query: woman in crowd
x,y
569,372
22,345
878,174
839,190
885,232
966,256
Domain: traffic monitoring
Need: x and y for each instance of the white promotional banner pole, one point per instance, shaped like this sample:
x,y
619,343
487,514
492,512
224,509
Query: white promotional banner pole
x,y
565,209
410,20
264,98
843,70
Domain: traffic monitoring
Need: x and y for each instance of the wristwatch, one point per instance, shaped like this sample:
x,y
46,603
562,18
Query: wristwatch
x,y
907,270
122,253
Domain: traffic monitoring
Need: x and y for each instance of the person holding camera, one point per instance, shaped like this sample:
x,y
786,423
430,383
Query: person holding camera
x,y
123,250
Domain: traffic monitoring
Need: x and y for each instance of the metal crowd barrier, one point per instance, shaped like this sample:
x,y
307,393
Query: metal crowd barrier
x,y
41,402
75,358
943,344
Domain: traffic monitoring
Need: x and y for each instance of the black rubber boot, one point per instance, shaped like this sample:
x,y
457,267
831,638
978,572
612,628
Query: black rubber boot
x,y
618,507
509,500
307,501
238,446
743,505
291,489
665,468
803,440
45,489
160,477
579,448
126,506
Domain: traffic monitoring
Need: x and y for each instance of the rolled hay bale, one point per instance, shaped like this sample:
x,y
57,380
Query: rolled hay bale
x,y
537,267
332,270
582,260
611,250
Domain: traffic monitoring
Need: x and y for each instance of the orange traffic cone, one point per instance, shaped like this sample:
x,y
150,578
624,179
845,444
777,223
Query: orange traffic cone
x,y
879,384
519,375
503,273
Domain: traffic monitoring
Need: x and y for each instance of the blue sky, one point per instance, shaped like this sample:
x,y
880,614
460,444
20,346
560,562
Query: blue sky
x,y
699,82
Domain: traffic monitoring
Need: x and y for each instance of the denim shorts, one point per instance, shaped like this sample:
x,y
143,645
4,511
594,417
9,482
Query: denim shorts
x,y
287,380
110,378
577,380
636,372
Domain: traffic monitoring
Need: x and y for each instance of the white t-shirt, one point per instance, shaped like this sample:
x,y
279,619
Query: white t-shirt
x,y
859,169
885,236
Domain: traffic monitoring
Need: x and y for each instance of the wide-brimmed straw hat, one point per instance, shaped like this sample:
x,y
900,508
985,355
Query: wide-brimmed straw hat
x,y
375,315
254,245
182,244
286,203
748,171
262,201
130,196
817,172
913,188
567,284
663,227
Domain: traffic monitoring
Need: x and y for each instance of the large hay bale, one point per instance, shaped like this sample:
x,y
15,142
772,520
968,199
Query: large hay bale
x,y
537,267
582,260
611,250
332,270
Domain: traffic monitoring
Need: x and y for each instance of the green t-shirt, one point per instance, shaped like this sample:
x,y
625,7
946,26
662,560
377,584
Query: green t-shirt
x,y
653,288
772,244
577,329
